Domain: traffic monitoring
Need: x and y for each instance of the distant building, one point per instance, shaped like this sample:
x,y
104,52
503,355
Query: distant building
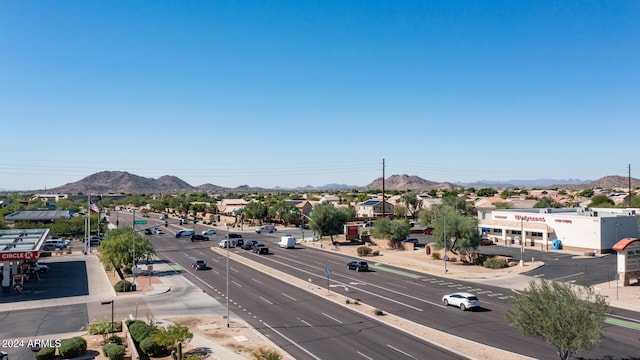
x,y
373,208
580,229
38,216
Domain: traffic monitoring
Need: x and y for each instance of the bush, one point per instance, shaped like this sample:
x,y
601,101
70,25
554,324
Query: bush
x,y
435,256
378,312
375,253
74,347
113,351
46,353
453,259
115,339
152,348
140,331
123,286
103,327
364,251
495,263
266,354
130,322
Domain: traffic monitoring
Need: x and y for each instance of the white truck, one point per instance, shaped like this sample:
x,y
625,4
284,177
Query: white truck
x,y
287,242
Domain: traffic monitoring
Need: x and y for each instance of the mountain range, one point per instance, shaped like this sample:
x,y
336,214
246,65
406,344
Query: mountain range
x,y
116,182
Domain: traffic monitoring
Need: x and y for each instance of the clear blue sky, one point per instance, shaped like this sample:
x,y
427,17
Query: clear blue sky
x,y
295,93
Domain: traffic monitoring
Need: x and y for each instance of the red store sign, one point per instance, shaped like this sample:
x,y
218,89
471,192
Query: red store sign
x,y
18,255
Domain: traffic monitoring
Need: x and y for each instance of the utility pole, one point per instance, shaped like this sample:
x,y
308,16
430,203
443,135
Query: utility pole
x,y
383,188
629,199
445,257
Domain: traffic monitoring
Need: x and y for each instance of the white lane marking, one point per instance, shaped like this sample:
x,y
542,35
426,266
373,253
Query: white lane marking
x,y
267,301
568,276
236,283
401,352
256,280
363,355
332,318
306,323
291,341
289,297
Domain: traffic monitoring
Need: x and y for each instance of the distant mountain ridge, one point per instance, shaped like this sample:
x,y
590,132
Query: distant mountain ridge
x,y
116,182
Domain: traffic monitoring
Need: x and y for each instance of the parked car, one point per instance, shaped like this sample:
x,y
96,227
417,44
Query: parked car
x,y
233,236
148,232
210,232
463,300
414,241
248,245
358,265
158,231
260,249
486,242
238,242
198,237
199,264
428,231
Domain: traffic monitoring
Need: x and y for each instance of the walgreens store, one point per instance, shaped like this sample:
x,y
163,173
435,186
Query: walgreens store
x,y
579,229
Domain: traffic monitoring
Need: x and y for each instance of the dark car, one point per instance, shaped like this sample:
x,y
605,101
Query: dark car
x,y
260,249
249,244
358,265
198,237
414,241
233,236
148,232
486,242
428,231
238,242
199,265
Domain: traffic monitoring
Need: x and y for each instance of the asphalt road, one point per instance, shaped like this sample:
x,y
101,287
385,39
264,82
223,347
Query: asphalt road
x,y
304,325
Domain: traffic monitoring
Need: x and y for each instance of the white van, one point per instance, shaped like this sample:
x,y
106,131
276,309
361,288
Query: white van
x,y
226,244
266,229
287,242
185,232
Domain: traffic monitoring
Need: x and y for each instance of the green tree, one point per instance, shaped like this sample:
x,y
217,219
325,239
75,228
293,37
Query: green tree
x,y
547,202
486,192
393,230
411,203
462,234
173,334
116,252
327,220
602,201
568,317
255,210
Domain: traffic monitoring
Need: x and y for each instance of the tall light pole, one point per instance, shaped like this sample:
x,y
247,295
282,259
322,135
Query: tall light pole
x,y
445,257
133,238
228,245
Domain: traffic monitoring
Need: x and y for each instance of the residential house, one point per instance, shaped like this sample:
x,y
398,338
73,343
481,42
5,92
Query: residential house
x,y
373,208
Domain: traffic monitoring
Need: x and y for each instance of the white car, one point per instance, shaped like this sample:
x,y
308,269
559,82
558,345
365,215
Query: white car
x,y
463,300
210,232
40,268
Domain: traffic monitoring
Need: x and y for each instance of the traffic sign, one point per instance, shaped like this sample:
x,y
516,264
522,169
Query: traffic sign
x,y
140,222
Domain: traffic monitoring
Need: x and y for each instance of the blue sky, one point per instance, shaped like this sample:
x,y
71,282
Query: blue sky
x,y
295,93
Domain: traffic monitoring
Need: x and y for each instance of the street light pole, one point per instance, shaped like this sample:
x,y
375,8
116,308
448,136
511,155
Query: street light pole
x,y
228,245
133,238
445,257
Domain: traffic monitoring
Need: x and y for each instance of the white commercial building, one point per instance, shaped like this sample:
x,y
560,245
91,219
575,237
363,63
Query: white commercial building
x,y
580,229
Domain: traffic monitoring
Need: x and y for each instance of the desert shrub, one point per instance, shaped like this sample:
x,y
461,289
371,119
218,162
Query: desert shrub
x,y
364,251
152,348
130,322
103,327
435,256
123,286
378,312
453,259
115,339
140,331
266,354
73,347
375,253
495,263
46,353
113,351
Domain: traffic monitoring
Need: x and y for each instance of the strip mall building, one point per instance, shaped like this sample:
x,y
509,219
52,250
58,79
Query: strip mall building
x,y
579,229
